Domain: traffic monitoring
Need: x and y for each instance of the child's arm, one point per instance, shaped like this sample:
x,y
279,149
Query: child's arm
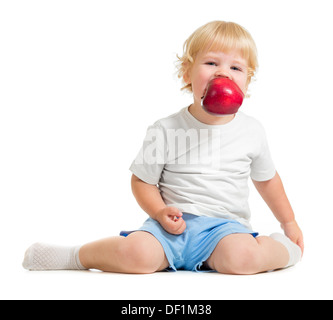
x,y
149,198
273,193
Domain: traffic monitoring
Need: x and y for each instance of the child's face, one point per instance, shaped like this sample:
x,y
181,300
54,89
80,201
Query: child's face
x,y
210,65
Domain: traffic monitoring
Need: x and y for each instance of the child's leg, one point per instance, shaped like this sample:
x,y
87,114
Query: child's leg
x,y
244,254
140,252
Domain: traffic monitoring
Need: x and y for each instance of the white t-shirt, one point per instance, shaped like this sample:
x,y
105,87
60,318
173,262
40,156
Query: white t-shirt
x,y
204,169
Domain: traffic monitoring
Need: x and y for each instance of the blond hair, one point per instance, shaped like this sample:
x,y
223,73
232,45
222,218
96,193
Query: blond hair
x,y
218,36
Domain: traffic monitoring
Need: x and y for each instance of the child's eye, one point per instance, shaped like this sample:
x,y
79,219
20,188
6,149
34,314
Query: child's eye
x,y
236,68
211,63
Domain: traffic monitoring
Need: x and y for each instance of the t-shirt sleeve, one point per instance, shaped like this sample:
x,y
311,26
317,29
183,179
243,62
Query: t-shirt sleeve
x,y
262,167
151,159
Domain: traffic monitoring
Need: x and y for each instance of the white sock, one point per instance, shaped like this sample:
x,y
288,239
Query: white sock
x,y
42,256
295,252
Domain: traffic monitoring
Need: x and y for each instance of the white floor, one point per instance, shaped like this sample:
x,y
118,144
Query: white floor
x,y
301,282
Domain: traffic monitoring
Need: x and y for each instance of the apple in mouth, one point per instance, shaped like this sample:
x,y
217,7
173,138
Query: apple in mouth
x,y
223,97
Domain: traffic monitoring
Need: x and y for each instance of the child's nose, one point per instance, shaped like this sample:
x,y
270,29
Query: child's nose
x,y
223,73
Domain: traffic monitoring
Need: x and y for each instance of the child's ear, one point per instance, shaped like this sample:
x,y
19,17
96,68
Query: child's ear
x,y
187,74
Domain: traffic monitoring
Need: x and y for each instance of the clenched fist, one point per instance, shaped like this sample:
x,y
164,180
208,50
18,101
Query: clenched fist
x,y
170,218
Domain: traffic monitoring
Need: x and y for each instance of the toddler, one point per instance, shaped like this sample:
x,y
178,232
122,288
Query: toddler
x,y
191,177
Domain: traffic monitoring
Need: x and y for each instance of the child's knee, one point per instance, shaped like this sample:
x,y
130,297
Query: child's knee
x,y
244,261
241,259
139,255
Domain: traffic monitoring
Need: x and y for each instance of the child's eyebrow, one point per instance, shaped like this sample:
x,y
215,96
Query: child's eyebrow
x,y
210,55
243,63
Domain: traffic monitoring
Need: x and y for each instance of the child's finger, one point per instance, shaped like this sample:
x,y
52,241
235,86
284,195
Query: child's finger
x,y
181,226
179,214
176,212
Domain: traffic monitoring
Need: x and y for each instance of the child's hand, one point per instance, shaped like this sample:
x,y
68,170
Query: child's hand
x,y
294,233
170,218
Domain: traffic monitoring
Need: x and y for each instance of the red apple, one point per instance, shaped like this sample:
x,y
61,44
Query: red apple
x,y
223,97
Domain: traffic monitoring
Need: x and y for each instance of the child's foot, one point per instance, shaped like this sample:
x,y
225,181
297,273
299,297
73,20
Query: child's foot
x,y
42,256
295,252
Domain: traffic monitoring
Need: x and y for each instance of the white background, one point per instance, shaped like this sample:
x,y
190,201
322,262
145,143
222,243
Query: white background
x,y
80,81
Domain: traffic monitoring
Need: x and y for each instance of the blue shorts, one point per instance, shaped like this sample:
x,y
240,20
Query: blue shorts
x,y
195,245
